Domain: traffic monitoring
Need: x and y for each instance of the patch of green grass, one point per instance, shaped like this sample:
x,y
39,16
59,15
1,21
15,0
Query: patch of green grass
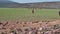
x,y
26,14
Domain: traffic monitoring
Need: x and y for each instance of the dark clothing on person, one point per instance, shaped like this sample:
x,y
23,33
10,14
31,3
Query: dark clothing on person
x,y
59,13
33,11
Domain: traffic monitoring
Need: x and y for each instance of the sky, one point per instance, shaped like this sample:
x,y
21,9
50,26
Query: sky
x,y
30,1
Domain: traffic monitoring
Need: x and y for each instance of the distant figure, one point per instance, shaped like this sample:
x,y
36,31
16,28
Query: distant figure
x,y
32,11
59,13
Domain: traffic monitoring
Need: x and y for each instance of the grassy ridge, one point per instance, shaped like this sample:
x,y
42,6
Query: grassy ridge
x,y
25,14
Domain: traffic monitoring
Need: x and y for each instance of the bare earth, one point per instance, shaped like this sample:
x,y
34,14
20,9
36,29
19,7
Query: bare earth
x,y
35,27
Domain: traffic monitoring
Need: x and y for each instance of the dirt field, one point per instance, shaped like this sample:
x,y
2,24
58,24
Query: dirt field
x,y
24,27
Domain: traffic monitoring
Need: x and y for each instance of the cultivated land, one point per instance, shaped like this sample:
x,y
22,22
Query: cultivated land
x,y
23,21
26,14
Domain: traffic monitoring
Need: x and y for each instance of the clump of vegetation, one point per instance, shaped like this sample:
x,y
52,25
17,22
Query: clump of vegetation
x,y
14,32
57,26
3,33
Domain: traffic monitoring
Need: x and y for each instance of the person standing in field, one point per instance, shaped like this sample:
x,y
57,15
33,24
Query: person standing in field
x,y
33,11
59,13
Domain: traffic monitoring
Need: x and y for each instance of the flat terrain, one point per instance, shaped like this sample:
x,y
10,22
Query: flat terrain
x,y
26,14
36,24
